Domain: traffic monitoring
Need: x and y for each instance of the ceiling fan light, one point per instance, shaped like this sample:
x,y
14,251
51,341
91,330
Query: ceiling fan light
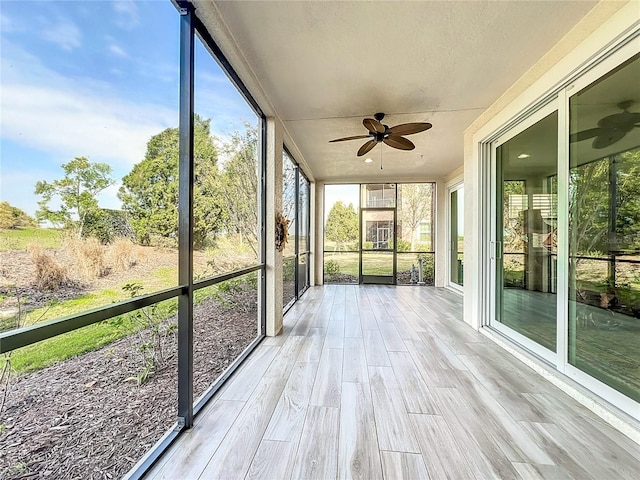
x,y
368,160
524,155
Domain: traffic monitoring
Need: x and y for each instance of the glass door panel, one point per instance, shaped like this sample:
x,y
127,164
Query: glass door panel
x,y
456,235
377,233
604,229
526,221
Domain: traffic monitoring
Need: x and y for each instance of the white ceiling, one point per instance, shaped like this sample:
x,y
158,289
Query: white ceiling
x,y
324,66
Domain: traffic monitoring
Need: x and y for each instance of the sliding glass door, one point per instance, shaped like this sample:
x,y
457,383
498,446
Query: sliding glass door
x,y
456,236
604,229
526,170
564,243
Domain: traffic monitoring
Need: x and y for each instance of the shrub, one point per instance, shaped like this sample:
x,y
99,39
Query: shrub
x,y
88,254
49,275
428,267
403,245
122,254
331,267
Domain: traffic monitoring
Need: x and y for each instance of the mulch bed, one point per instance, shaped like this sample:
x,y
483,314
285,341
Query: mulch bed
x,y
82,418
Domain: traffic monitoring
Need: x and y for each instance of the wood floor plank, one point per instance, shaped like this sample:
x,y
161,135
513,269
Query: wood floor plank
x,y
573,417
317,456
335,334
273,460
359,457
304,324
428,365
527,471
392,340
400,465
334,396
441,452
375,349
367,319
439,353
550,438
328,381
392,420
283,363
352,325
190,457
406,328
250,373
499,422
416,394
505,387
477,438
236,452
288,417
354,367
312,347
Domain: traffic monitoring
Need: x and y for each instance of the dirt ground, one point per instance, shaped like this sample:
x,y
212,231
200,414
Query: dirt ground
x,y
82,418
18,273
86,417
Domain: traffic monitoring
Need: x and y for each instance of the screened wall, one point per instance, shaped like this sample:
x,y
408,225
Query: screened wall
x,y
379,233
295,208
138,227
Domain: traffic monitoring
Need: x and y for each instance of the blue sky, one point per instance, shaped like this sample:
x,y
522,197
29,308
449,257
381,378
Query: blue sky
x,y
95,79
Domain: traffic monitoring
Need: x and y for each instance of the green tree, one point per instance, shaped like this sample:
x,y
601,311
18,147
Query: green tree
x,y
415,207
342,225
149,193
240,186
13,217
77,192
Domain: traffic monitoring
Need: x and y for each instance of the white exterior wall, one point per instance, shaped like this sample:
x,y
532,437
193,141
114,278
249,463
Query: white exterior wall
x,y
597,30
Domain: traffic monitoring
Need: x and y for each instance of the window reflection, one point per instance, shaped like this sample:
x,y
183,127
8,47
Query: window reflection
x,y
604,229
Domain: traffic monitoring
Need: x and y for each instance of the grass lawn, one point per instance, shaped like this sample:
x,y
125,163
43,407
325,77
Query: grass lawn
x,y
71,344
20,238
377,263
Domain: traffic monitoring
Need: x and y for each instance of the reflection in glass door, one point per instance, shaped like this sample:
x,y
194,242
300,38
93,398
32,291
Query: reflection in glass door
x,y
525,232
456,235
604,229
377,230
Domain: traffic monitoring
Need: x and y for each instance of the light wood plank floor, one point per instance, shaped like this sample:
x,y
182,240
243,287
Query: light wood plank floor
x,y
377,382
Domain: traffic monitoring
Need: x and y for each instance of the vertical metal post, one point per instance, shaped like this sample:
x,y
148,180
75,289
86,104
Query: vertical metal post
x,y
185,224
297,232
612,237
263,227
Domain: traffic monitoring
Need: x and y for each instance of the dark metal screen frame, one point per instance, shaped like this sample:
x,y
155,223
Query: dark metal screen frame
x,y
298,174
190,25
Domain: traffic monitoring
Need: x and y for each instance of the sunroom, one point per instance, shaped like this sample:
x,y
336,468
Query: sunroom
x,y
404,240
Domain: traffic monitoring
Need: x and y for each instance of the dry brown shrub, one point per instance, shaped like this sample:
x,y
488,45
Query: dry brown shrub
x,y
88,255
49,275
123,254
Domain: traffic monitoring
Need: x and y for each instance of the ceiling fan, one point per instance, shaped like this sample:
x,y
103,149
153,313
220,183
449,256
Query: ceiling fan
x,y
392,136
610,129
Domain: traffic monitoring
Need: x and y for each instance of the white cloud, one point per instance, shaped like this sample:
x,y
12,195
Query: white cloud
x,y
117,51
127,14
64,33
9,25
74,117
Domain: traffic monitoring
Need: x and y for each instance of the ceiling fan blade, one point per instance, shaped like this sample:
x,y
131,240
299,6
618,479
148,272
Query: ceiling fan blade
x,y
367,146
373,125
356,137
621,121
583,135
409,128
609,138
400,143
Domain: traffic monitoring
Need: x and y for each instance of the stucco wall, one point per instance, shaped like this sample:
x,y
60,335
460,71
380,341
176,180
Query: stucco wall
x,y
599,28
